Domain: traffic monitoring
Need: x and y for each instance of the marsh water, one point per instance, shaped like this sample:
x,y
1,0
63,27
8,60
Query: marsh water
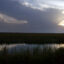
x,y
20,47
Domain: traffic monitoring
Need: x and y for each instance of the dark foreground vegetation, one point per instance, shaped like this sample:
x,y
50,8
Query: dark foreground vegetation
x,y
45,56
31,38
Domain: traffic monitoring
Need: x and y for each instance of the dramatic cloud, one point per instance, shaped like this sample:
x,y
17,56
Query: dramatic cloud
x,y
36,6
43,4
8,19
35,16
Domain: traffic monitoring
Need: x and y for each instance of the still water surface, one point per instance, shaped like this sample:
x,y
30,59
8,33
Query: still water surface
x,y
18,47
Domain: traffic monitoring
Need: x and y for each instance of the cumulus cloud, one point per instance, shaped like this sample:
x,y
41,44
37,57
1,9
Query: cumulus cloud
x,y
35,6
42,4
8,19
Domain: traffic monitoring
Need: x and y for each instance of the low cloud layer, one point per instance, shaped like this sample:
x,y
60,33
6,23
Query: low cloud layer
x,y
8,19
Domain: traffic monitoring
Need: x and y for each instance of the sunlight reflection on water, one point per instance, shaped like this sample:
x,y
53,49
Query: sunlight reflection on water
x,y
18,47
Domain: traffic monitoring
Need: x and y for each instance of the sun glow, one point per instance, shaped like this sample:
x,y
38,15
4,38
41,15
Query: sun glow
x,y
61,23
62,12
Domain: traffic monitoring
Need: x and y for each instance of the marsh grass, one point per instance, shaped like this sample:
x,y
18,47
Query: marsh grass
x,y
37,55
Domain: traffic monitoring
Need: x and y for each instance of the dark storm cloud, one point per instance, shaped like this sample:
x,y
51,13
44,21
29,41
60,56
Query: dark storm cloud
x,y
38,21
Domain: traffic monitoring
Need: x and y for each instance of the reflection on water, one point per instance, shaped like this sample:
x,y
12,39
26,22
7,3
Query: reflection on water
x,y
19,47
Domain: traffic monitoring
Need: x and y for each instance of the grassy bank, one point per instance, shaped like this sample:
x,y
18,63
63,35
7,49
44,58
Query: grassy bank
x,y
44,56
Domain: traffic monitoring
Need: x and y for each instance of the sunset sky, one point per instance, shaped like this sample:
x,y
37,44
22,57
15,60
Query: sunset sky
x,y
32,16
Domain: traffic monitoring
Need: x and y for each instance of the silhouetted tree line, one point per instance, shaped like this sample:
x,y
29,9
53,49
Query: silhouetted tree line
x,y
31,38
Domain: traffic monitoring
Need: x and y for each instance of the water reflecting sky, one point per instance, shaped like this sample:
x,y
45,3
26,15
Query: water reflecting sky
x,y
18,47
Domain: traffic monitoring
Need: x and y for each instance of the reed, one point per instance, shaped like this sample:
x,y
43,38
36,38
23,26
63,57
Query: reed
x,y
45,55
